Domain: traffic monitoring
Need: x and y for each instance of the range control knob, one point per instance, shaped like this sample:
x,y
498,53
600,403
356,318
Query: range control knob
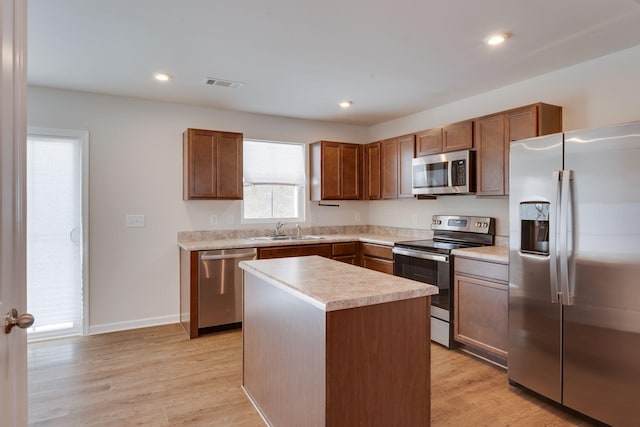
x,y
478,224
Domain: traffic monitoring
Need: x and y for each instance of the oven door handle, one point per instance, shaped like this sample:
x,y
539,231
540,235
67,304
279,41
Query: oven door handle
x,y
421,255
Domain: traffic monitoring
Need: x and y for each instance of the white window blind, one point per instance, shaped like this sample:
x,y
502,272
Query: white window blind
x,y
273,163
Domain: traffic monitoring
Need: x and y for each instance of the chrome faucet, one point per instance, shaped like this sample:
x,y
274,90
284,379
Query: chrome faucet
x,y
279,226
298,231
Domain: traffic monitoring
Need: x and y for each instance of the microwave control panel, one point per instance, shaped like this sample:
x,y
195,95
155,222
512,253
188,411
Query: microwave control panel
x,y
459,172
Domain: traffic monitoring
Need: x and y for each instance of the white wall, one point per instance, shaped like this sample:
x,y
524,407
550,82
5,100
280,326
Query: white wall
x,y
135,167
594,93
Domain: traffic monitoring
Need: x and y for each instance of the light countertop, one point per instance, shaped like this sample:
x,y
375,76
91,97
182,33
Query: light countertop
x,y
332,285
485,253
203,245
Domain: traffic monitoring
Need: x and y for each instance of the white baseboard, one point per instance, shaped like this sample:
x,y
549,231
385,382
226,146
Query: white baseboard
x,y
133,324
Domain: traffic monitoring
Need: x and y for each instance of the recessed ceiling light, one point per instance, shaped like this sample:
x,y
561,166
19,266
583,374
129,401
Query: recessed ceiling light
x,y
497,39
345,104
162,77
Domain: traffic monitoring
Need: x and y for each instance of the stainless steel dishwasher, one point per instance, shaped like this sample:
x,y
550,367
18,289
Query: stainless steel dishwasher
x,y
220,286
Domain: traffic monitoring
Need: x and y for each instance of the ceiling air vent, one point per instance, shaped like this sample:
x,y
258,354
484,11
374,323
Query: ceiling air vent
x,y
210,81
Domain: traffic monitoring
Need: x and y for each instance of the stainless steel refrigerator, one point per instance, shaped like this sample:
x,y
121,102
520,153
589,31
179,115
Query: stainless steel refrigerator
x,y
574,270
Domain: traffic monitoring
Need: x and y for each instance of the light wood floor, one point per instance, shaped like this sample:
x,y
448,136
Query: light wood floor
x,y
156,377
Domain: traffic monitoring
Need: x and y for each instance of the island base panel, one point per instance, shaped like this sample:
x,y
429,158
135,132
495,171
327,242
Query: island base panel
x,y
378,365
283,355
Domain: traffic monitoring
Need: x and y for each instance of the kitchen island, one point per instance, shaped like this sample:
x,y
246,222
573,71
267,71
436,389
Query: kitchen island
x,y
328,343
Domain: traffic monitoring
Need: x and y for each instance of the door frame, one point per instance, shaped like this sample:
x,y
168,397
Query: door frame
x,y
83,139
13,285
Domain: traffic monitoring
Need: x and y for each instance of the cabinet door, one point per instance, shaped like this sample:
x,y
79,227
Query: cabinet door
x,y
521,124
457,136
201,151
407,149
490,141
390,164
428,142
480,316
229,170
331,170
350,171
372,168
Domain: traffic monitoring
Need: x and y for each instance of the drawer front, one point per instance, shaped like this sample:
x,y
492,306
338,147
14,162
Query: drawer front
x,y
376,251
347,248
377,264
300,250
486,269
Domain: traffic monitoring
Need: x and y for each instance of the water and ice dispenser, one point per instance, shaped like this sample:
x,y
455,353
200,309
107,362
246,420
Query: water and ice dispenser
x,y
534,226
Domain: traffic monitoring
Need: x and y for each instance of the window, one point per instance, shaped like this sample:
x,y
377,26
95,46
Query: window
x,y
56,232
274,181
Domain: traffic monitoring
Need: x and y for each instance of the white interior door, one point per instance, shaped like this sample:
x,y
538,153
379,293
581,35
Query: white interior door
x,y
13,345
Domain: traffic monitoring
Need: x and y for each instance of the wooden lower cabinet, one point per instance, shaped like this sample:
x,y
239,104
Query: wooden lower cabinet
x,y
481,297
345,252
323,249
342,251
376,257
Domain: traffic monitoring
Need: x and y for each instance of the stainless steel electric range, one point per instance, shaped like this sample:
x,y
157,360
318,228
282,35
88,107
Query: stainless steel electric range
x,y
430,261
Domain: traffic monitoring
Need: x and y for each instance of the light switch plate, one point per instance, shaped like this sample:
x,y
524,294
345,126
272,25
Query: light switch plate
x,y
135,220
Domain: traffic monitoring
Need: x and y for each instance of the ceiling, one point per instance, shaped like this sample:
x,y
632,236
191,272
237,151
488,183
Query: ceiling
x,y
299,58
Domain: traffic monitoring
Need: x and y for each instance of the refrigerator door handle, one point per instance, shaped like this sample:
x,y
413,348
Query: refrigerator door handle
x,y
567,176
553,249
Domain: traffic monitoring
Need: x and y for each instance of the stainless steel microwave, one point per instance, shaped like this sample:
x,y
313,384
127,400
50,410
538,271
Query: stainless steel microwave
x,y
446,173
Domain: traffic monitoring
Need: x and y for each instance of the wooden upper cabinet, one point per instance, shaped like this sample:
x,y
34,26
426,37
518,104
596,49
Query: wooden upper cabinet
x,y
407,151
493,136
458,136
428,142
396,157
331,170
336,169
490,146
351,169
212,165
453,137
372,171
389,168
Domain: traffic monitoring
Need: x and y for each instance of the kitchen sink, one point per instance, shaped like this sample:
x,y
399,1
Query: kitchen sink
x,y
278,238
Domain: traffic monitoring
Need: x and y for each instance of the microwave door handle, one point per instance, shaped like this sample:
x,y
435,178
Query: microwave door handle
x,y
553,250
450,167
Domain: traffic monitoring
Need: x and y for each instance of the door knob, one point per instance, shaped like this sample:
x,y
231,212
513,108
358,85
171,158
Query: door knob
x,y
12,319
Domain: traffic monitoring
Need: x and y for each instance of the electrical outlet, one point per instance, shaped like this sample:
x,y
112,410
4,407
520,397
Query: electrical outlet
x,y
135,220
414,219
213,219
358,217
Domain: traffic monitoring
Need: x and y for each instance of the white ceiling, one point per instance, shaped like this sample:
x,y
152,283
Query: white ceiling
x,y
299,58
